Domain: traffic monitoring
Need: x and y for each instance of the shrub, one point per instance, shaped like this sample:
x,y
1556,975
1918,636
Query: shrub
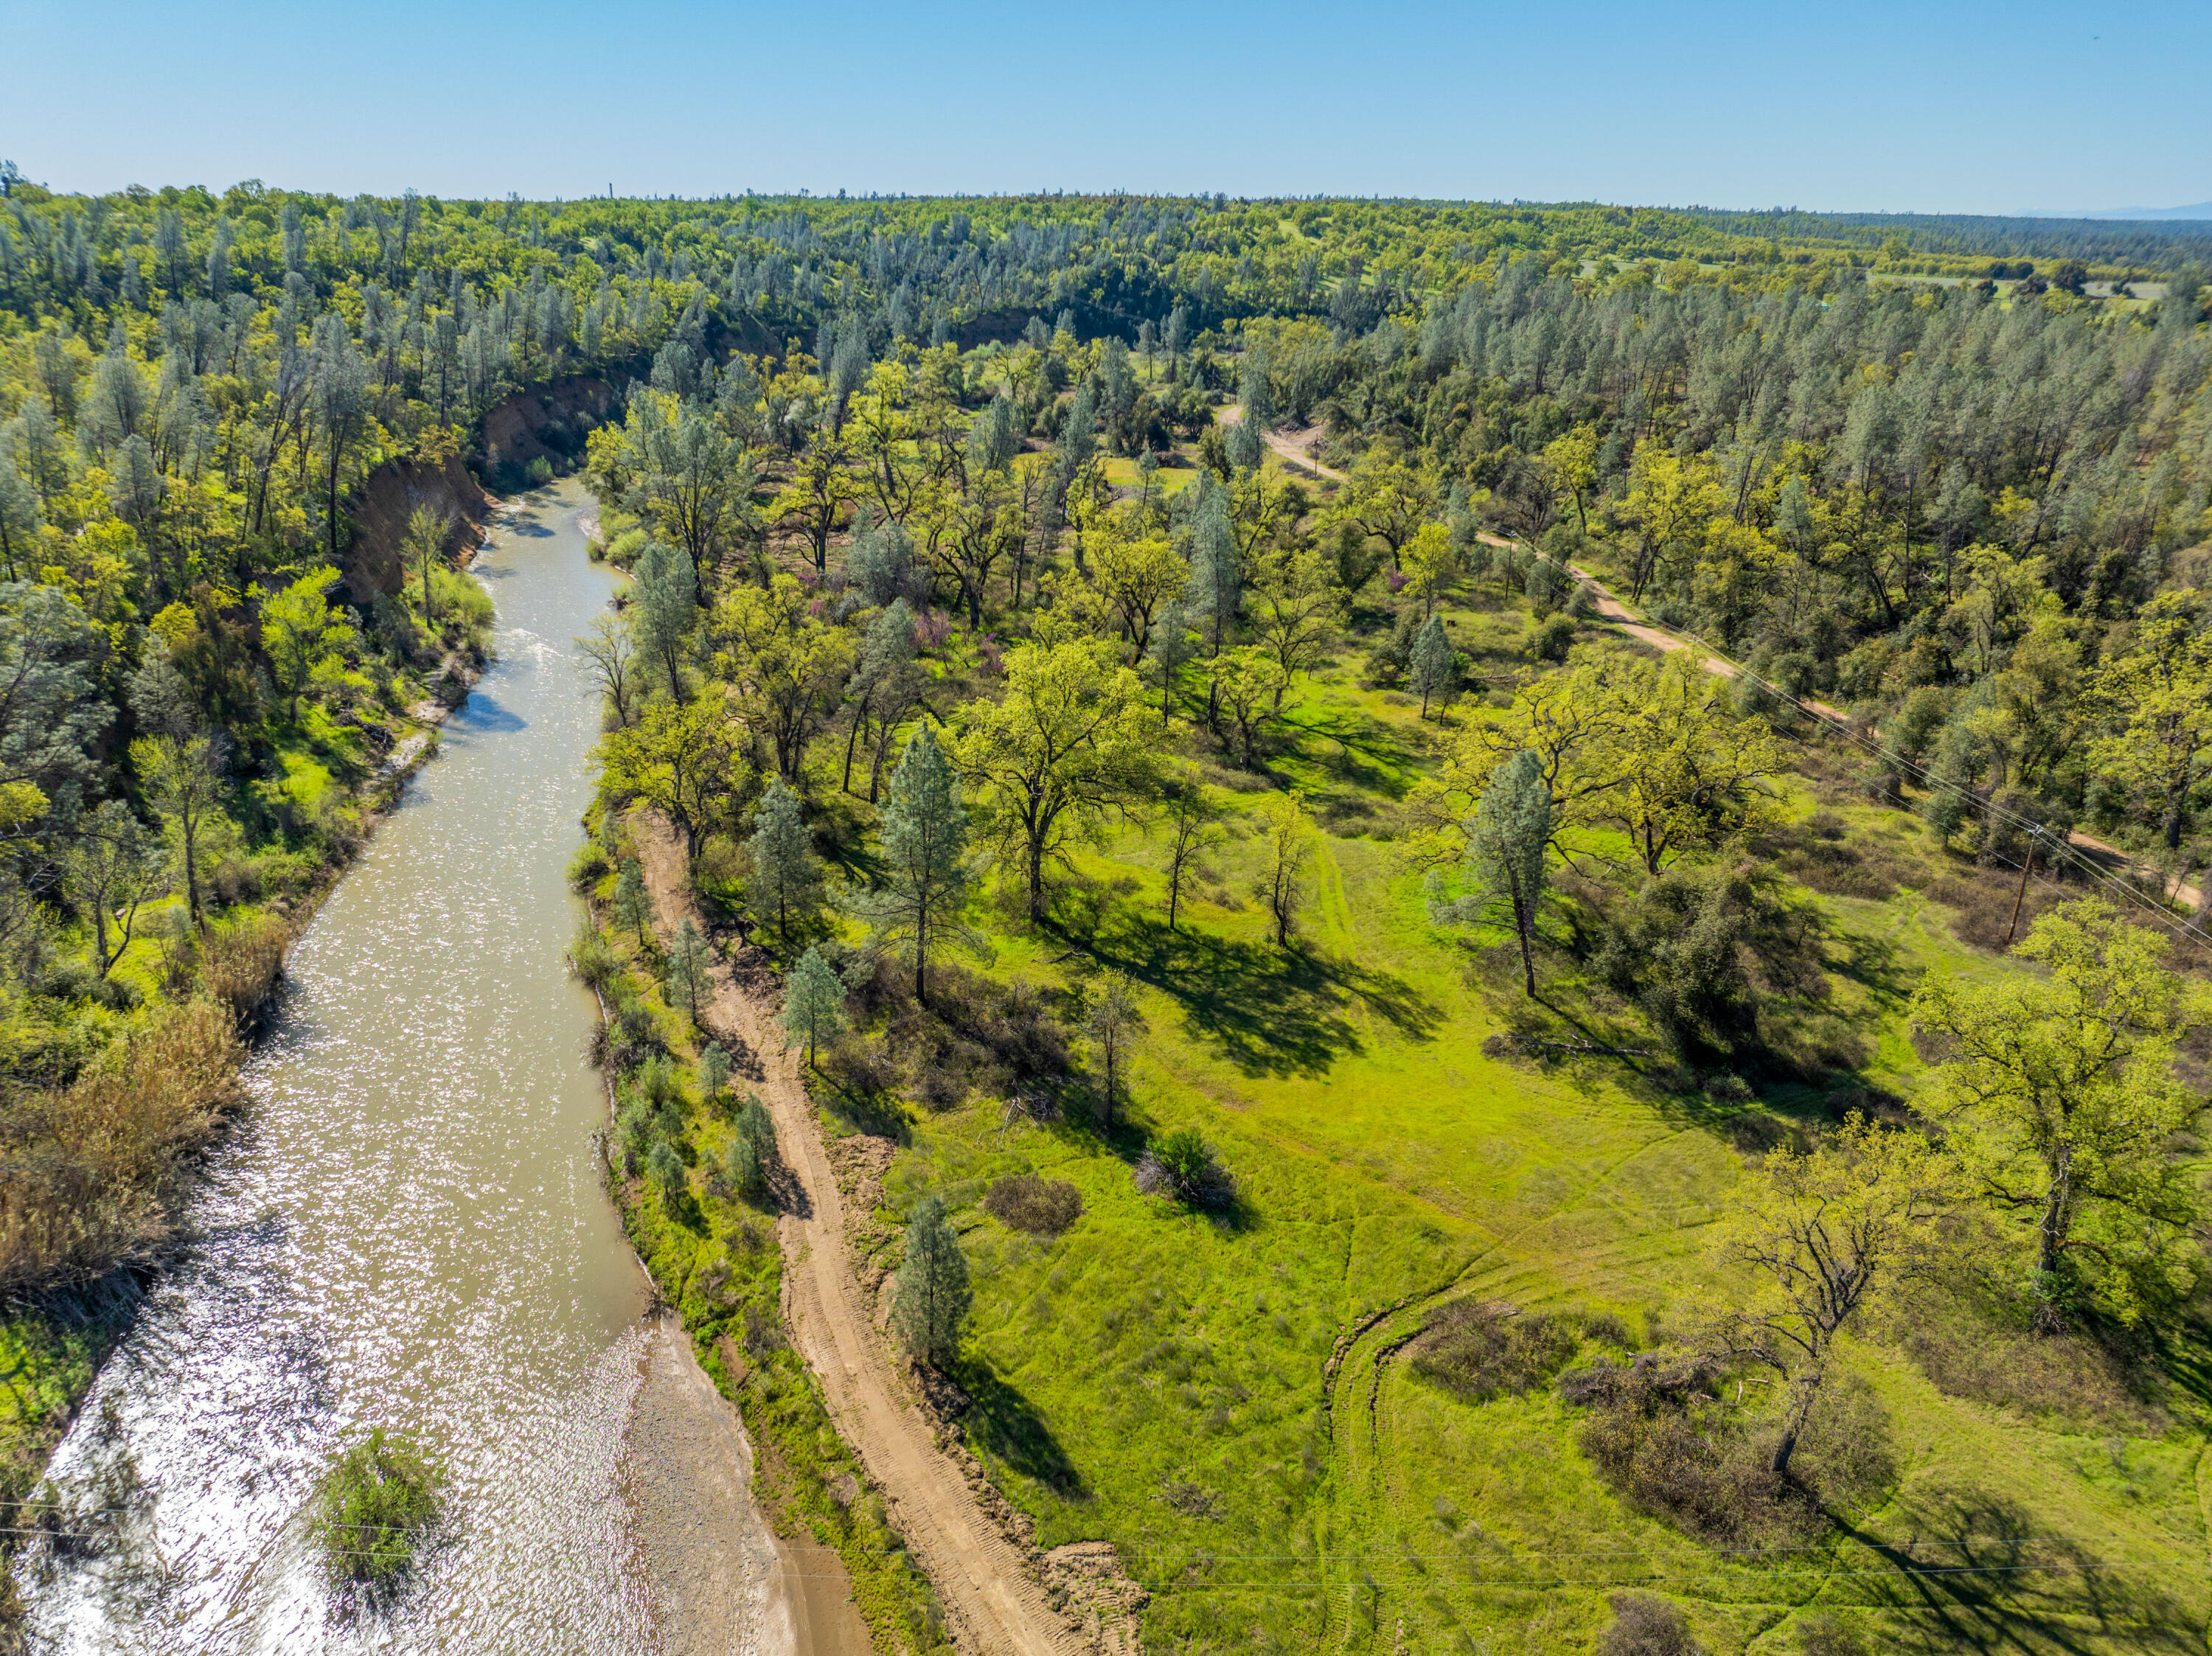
x,y
1042,1207
657,1079
1388,662
1824,1635
91,1176
592,961
1644,1624
242,960
1984,901
633,1133
1656,1434
1550,641
376,1508
1183,1165
589,865
1478,1350
1835,870
666,1168
1702,951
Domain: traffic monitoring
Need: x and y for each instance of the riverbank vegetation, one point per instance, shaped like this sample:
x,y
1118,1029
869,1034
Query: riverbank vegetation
x,y
692,1162
1149,781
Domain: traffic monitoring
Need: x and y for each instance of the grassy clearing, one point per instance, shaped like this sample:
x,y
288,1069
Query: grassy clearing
x,y
1232,1397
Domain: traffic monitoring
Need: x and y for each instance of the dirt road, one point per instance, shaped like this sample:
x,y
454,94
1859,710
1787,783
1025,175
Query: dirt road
x,y
1292,446
1613,610
993,1604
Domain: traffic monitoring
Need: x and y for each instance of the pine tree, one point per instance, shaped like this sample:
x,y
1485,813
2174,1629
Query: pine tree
x,y
1079,438
813,1003
667,1170
1216,590
757,1127
1245,449
930,1296
338,378
1172,644
663,603
1433,668
752,1148
1176,334
1255,391
690,969
785,885
714,1071
633,906
1505,842
741,1166
924,836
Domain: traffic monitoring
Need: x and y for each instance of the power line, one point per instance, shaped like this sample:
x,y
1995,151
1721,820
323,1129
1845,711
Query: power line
x,y
2192,931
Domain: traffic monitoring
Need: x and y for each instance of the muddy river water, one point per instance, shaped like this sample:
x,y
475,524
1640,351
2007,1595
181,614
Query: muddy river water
x,y
407,1229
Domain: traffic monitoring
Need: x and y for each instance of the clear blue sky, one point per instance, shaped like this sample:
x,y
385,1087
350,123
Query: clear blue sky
x,y
1928,107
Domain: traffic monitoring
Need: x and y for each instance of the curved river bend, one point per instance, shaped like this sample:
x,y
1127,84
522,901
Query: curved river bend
x,y
406,1229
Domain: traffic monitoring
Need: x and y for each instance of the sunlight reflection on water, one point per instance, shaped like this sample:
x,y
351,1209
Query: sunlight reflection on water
x,y
406,1229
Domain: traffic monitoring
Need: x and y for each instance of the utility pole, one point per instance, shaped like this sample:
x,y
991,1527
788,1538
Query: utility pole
x,y
2034,838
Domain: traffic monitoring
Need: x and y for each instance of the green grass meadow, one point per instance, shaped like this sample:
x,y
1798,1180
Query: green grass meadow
x,y
1227,1396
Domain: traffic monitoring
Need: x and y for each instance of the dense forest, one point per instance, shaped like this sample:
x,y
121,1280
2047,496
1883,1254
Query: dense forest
x,y
969,538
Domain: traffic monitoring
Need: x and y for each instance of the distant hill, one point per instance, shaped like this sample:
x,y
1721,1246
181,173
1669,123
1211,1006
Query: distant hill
x,y
2201,210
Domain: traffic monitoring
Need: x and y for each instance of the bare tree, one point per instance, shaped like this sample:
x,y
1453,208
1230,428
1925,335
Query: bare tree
x,y
1822,1236
609,655
1114,1024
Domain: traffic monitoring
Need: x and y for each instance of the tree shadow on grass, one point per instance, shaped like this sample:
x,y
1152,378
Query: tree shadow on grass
x,y
1979,1576
1271,1011
878,1114
1001,1424
1369,753
686,1214
1874,963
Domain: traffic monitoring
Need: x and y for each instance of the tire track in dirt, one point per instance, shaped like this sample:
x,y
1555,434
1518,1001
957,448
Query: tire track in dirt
x,y
994,1603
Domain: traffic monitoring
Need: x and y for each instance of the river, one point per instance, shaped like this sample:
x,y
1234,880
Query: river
x,y
405,1229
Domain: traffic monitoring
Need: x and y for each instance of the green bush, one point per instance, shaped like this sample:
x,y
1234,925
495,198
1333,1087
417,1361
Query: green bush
x,y
633,1133
1479,1349
589,865
1183,1164
593,961
378,1507
657,1079
667,1170
1552,641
